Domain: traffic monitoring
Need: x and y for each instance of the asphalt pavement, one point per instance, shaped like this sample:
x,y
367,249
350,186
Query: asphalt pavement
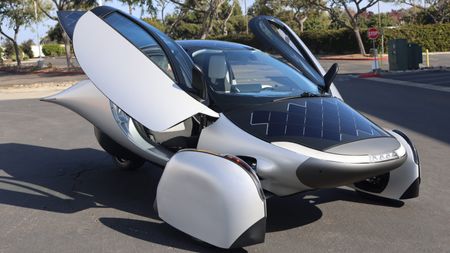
x,y
432,77
59,192
364,66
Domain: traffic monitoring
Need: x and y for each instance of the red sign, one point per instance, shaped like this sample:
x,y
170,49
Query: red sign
x,y
372,33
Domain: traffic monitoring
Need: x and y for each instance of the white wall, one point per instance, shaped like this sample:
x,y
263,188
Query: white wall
x,y
35,50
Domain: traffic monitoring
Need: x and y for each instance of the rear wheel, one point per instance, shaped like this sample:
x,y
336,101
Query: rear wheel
x,y
128,164
122,157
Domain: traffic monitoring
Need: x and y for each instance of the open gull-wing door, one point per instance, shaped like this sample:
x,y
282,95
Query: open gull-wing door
x,y
280,37
138,68
68,20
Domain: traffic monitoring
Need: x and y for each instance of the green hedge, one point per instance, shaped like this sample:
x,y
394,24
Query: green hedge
x,y
435,38
53,50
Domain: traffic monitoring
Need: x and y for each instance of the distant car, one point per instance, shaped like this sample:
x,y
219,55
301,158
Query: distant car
x,y
230,124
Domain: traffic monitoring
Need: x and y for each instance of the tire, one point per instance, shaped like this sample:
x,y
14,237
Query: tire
x,y
122,157
128,164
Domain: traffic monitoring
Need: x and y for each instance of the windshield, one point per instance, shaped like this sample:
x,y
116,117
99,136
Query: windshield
x,y
251,73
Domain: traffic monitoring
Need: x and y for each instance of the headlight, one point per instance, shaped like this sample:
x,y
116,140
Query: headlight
x,y
122,119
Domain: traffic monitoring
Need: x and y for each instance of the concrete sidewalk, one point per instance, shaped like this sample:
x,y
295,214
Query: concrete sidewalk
x,y
35,85
24,79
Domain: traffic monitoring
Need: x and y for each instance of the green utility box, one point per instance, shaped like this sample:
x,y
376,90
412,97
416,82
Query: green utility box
x,y
414,56
404,55
398,54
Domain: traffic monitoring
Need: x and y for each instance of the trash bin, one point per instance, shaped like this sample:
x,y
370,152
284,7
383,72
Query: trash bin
x,y
398,54
414,56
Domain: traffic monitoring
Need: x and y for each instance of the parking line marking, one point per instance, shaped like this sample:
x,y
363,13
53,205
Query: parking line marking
x,y
411,84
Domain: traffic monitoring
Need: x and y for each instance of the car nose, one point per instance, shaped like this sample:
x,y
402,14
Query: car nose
x,y
376,156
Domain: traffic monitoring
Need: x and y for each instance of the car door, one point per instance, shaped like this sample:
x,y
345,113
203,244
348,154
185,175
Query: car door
x,y
280,37
138,68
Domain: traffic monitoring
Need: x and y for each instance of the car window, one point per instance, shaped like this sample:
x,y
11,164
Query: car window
x,y
251,73
142,40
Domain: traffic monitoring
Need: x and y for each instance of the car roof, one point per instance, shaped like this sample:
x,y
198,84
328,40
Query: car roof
x,y
193,45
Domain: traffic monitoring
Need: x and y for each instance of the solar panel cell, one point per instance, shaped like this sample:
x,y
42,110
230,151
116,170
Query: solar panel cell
x,y
322,118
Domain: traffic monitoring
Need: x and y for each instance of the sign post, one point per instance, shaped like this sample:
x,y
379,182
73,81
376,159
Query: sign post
x,y
372,34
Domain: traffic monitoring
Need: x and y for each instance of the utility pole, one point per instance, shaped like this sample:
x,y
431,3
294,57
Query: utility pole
x,y
382,34
40,62
246,16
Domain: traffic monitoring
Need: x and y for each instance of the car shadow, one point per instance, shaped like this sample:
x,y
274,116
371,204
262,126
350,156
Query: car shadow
x,y
69,181
160,233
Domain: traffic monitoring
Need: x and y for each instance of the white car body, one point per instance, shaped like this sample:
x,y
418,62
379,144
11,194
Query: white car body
x,y
216,179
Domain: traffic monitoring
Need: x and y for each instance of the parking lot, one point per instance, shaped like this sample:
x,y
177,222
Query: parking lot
x,y
433,77
59,192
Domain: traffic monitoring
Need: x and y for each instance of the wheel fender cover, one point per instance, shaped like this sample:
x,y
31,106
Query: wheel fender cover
x,y
212,199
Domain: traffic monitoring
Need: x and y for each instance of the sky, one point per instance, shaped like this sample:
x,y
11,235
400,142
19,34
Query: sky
x,y
43,27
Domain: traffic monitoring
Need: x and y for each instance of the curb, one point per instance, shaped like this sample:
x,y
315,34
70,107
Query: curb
x,y
351,58
61,73
75,72
369,75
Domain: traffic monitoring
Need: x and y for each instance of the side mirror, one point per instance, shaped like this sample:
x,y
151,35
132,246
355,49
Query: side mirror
x,y
330,75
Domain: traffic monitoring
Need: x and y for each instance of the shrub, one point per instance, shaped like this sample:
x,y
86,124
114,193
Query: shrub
x,y
53,50
21,55
9,52
435,38
247,39
1,55
26,48
432,37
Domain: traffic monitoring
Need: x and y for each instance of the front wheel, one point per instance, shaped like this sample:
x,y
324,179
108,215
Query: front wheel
x,y
128,164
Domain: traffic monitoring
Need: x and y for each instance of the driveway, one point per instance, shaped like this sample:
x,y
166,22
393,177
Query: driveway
x,y
59,192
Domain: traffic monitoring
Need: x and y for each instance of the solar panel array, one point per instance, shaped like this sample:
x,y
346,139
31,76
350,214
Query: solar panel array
x,y
325,118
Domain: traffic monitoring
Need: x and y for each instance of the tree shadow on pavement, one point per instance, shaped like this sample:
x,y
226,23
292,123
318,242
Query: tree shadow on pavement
x,y
69,181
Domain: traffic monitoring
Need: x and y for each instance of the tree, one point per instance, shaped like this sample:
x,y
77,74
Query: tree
x,y
16,14
207,9
183,9
54,35
145,5
131,4
437,10
266,7
162,4
210,15
1,56
10,52
302,10
353,10
64,5
318,20
227,17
